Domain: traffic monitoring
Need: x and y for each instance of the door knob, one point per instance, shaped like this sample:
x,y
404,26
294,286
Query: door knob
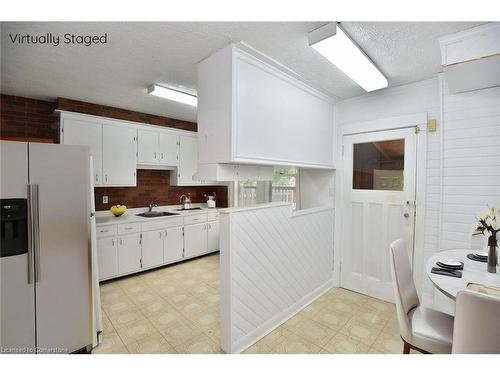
x,y
406,214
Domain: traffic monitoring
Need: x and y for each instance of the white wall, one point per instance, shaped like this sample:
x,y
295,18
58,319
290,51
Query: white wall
x,y
467,142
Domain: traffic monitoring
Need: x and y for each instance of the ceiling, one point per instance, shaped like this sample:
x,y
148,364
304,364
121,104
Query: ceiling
x,y
139,54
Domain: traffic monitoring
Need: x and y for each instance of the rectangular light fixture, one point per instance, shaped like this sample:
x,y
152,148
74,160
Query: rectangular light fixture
x,y
334,44
172,94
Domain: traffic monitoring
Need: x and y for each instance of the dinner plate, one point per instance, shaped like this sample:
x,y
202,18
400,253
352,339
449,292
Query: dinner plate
x,y
481,254
450,262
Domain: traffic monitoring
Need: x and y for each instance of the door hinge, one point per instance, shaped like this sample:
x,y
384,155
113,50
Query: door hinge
x,y
134,174
417,130
62,129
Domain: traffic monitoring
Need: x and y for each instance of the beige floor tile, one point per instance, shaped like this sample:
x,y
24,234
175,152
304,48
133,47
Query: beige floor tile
x,y
154,344
332,319
258,348
341,305
111,296
123,318
342,344
180,332
387,343
144,298
134,289
110,343
155,307
391,326
314,332
294,344
199,344
365,333
109,286
118,306
370,317
136,331
165,319
205,318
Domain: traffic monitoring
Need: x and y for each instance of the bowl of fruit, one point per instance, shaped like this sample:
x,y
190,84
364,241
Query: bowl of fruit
x,y
118,210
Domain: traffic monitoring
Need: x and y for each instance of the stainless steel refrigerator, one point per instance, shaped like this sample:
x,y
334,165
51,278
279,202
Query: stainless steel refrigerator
x,y
45,267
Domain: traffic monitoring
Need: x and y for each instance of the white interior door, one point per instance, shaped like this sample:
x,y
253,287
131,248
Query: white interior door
x,y
378,205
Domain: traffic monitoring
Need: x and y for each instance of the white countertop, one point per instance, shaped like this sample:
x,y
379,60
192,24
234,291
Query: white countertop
x,y
106,217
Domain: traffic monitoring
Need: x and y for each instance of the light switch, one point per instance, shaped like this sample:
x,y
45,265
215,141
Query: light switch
x,y
104,199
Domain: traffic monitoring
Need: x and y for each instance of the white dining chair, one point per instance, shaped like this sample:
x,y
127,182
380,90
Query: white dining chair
x,y
477,322
421,328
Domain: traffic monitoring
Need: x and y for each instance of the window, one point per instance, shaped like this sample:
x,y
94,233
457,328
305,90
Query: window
x,y
283,188
379,165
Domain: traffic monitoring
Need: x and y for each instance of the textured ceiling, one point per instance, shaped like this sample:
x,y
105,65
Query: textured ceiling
x,y
139,54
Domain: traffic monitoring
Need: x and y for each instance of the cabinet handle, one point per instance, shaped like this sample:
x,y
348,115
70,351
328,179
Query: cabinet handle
x,y
155,155
166,233
112,242
160,234
104,231
106,177
128,228
161,157
96,177
209,226
121,243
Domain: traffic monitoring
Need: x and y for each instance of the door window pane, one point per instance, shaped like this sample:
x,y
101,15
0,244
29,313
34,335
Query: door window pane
x,y
379,165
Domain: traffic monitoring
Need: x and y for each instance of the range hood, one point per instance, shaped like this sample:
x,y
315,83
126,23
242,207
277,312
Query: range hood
x,y
471,58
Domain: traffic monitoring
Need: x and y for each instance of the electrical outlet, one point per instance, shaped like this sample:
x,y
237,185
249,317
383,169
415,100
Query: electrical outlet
x,y
104,199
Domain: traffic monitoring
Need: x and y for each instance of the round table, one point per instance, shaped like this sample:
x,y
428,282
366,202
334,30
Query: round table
x,y
473,272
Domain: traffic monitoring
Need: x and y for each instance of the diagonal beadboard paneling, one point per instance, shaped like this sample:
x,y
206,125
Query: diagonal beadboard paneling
x,y
275,263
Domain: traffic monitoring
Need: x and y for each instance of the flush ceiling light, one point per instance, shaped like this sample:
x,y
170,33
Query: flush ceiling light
x,y
334,44
172,94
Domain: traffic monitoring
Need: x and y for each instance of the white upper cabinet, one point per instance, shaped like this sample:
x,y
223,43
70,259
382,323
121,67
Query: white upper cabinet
x,y
85,132
119,150
253,110
169,149
147,146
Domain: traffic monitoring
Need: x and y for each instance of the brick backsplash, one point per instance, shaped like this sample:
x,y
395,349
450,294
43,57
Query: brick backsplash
x,y
154,186
25,119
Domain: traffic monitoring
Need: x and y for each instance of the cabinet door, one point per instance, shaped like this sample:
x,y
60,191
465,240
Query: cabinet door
x,y
129,253
195,239
152,248
188,159
169,149
85,133
173,244
119,155
107,255
213,236
147,146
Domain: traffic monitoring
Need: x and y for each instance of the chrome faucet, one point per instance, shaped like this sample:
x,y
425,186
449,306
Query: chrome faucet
x,y
151,205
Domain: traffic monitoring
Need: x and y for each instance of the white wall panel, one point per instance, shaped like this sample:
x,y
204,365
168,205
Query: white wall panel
x,y
273,263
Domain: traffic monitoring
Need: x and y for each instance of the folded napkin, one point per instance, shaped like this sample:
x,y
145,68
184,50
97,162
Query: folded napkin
x,y
477,259
446,272
443,264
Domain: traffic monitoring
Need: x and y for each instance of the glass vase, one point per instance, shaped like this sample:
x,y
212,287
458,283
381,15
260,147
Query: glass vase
x,y
492,254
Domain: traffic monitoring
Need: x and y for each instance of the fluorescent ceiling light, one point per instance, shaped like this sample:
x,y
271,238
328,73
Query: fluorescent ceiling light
x,y
334,44
171,94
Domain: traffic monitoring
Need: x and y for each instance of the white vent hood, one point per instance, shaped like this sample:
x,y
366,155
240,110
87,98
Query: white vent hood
x,y
471,58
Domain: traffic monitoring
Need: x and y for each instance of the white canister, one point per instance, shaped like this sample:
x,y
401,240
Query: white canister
x,y
210,202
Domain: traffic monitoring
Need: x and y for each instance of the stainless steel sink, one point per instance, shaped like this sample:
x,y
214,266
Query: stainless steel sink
x,y
189,209
156,214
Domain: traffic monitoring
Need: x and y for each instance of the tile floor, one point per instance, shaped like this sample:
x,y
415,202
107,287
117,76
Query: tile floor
x,y
175,310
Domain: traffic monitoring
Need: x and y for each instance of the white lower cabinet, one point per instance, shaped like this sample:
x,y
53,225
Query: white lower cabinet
x,y
154,243
107,255
173,244
212,236
152,248
195,239
129,253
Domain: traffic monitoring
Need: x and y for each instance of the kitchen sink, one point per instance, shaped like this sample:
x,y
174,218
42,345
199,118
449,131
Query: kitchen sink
x,y
189,209
156,214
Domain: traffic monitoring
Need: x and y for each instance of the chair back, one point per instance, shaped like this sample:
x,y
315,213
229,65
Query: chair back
x,y
405,294
477,323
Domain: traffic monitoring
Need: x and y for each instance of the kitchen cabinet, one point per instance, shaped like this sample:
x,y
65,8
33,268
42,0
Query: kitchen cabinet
x,y
188,160
212,236
252,110
173,245
107,254
152,248
195,239
169,149
119,154
85,132
129,253
147,146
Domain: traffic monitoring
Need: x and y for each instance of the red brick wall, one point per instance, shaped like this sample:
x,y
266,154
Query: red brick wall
x,y
28,119
154,186
25,119
122,114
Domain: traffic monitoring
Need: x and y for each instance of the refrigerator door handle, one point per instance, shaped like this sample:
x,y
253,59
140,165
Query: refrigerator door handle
x,y
36,229
30,234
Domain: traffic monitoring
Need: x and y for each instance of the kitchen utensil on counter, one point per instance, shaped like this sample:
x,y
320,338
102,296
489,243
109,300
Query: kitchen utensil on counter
x,y
118,210
185,200
210,200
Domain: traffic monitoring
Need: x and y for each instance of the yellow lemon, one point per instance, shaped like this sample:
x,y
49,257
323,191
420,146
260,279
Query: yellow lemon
x,y
118,210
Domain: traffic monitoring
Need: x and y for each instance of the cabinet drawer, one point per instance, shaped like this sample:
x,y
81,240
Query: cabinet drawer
x,y
106,231
211,216
194,219
129,228
162,224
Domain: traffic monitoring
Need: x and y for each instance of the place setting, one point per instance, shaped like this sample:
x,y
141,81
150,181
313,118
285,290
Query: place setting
x,y
448,267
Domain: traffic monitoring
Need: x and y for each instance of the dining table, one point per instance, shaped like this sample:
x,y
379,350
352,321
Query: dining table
x,y
474,272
